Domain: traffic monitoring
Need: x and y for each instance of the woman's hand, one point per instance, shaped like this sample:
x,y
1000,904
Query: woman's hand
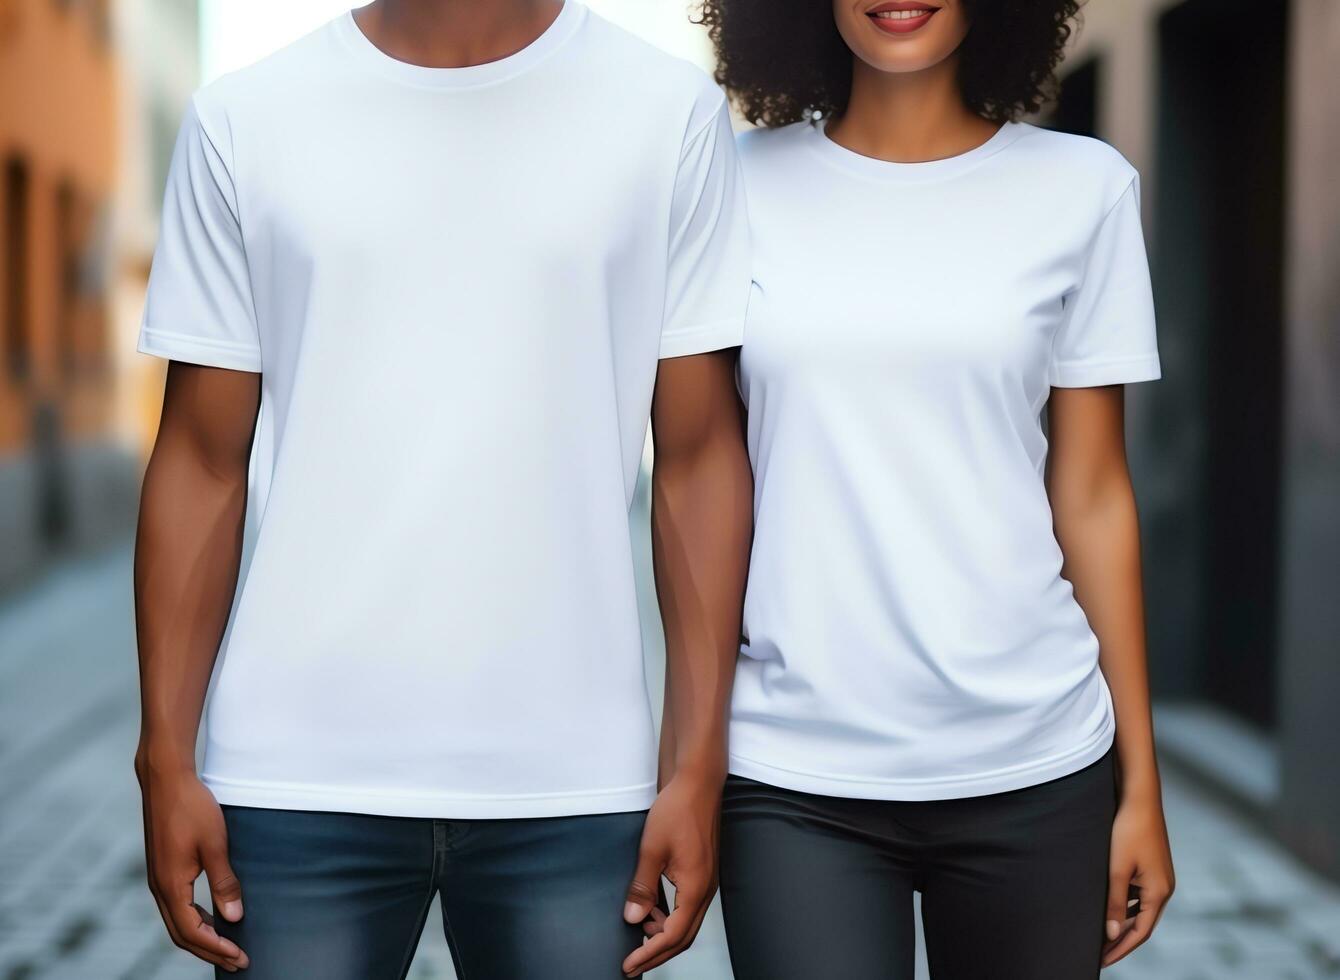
x,y
1141,857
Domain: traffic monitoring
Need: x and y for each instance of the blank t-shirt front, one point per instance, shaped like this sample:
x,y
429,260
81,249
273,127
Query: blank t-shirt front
x,y
909,633
456,285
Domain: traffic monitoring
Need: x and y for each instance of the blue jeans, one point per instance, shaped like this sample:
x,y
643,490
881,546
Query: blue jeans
x,y
341,896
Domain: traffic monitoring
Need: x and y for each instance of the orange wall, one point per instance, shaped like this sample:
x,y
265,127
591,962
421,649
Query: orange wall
x,y
57,114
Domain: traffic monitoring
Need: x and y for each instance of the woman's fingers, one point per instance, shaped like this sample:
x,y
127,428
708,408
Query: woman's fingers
x,y
1139,929
1118,887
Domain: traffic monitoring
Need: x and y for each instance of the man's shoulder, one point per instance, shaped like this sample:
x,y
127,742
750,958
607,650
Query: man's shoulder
x,y
641,68
767,143
264,83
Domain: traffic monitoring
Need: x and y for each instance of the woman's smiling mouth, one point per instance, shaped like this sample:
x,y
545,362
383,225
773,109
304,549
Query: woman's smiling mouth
x,y
901,16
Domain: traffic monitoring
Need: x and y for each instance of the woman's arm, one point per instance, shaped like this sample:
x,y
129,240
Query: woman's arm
x,y
1093,507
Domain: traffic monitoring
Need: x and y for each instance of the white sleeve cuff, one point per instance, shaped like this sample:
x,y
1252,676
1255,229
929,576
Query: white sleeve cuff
x,y
718,335
1094,374
199,350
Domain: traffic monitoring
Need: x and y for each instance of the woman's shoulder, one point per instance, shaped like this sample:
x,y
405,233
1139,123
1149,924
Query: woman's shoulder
x,y
1083,164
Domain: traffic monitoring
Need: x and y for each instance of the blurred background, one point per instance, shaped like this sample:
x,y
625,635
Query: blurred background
x,y
1231,111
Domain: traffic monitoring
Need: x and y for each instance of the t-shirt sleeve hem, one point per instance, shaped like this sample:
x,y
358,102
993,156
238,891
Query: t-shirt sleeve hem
x,y
717,335
199,350
1093,374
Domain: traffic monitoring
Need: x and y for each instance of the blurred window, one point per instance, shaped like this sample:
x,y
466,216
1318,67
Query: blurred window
x,y
101,13
1076,110
82,263
67,281
15,281
98,12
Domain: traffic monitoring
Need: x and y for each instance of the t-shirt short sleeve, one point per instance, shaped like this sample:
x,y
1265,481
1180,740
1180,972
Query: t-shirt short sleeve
x,y
707,283
199,306
1107,334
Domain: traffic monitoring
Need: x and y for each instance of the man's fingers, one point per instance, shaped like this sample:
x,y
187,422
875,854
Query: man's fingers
x,y
693,894
169,898
224,887
678,932
667,941
193,932
181,942
167,921
655,923
644,887
197,932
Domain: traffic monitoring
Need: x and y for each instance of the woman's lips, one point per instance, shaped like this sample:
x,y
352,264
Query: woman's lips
x,y
901,18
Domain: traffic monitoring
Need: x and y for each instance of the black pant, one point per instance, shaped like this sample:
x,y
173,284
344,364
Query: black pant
x,y
1013,886
342,896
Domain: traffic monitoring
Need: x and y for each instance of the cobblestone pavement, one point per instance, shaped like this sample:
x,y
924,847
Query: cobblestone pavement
x,y
73,904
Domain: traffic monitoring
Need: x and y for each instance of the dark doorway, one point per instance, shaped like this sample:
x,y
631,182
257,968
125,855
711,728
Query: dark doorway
x,y
1218,260
14,284
1076,108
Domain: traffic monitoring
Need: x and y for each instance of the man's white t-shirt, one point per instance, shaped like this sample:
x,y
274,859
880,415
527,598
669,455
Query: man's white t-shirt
x,y
908,632
456,285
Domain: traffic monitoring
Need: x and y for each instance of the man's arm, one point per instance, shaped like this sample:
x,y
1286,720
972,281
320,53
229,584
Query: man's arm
x,y
701,520
187,555
1098,530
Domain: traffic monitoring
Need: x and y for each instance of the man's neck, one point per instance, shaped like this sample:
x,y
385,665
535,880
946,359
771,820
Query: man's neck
x,y
455,33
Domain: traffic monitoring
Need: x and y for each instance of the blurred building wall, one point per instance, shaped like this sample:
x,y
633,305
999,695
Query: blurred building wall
x,y
74,101
57,166
1236,453
159,46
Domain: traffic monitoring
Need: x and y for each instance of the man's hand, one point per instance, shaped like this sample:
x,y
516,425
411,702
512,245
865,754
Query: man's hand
x,y
1140,857
187,554
184,834
701,517
679,842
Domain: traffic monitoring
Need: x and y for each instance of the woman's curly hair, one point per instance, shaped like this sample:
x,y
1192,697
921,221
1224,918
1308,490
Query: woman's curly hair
x,y
785,61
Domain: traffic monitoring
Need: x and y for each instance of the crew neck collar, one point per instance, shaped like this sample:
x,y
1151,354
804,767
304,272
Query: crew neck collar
x,y
565,25
816,137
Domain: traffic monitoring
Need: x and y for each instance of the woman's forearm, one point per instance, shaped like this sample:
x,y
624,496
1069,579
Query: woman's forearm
x,y
1098,529
1101,543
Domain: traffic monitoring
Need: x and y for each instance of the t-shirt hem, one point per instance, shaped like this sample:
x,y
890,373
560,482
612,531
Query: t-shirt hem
x,y
446,806
924,790
1091,374
718,335
199,350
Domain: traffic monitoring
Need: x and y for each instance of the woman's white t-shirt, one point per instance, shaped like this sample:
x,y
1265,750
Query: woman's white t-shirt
x,y
908,634
456,284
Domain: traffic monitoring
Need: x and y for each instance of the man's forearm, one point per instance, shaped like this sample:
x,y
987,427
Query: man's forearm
x,y
188,550
701,521
186,564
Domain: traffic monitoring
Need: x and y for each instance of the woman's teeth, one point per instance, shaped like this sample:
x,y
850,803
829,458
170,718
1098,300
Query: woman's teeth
x,y
901,14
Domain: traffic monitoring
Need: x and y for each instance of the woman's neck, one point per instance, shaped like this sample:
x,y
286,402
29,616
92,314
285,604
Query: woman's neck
x,y
909,117
455,33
